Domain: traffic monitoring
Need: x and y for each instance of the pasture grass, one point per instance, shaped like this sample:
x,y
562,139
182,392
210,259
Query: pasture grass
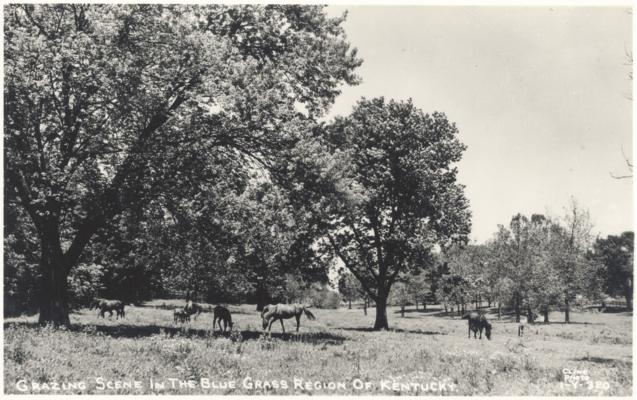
x,y
338,347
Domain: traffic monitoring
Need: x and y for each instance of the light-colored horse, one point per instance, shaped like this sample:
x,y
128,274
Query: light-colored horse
x,y
272,312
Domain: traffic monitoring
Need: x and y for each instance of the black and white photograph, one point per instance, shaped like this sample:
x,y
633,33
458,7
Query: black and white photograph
x,y
318,199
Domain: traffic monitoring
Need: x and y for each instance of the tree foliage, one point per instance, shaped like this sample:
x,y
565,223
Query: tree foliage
x,y
106,106
615,253
406,196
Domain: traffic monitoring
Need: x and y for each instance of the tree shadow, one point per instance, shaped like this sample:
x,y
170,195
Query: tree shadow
x,y
569,323
420,311
398,330
616,310
312,337
140,331
599,360
446,314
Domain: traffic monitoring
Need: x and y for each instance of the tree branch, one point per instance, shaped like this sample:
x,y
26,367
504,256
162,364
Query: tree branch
x,y
351,267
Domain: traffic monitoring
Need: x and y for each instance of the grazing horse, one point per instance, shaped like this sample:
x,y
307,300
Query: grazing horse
x,y
530,319
96,303
193,308
272,312
478,322
180,315
110,305
521,327
222,314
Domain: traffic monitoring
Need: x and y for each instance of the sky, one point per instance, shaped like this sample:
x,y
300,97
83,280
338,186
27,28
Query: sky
x,y
541,97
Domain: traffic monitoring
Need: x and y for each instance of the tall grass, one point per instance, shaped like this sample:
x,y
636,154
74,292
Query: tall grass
x,y
338,347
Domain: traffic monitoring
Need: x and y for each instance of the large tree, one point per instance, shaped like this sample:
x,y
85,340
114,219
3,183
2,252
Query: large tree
x,y
275,243
616,254
516,252
99,98
407,198
572,240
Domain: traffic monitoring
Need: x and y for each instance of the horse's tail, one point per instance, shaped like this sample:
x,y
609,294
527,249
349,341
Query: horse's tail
x,y
309,314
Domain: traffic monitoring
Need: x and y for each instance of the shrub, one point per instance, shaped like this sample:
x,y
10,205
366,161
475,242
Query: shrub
x,y
324,298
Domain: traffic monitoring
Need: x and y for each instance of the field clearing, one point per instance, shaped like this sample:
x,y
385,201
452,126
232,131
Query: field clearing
x,y
338,347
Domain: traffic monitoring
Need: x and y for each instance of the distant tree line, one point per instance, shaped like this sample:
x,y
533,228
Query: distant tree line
x,y
535,265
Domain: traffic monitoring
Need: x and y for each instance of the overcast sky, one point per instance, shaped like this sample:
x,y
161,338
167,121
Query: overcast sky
x,y
540,96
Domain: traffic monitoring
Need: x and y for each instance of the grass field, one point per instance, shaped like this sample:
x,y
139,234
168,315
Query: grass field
x,y
424,353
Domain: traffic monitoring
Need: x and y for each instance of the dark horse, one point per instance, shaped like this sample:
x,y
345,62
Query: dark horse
x,y
110,305
222,314
272,312
478,322
96,302
180,315
192,308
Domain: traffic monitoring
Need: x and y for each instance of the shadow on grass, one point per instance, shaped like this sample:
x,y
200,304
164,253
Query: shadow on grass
x,y
303,337
446,314
510,318
617,310
600,360
139,331
420,311
417,332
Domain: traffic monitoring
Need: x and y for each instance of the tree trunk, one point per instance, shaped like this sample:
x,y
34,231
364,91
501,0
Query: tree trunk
x,y
416,304
365,306
499,310
489,302
261,295
53,288
402,311
546,315
517,311
381,314
628,294
424,305
567,311
350,304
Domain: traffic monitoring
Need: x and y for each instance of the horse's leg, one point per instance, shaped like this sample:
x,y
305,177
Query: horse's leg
x,y
480,333
469,332
282,327
298,322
